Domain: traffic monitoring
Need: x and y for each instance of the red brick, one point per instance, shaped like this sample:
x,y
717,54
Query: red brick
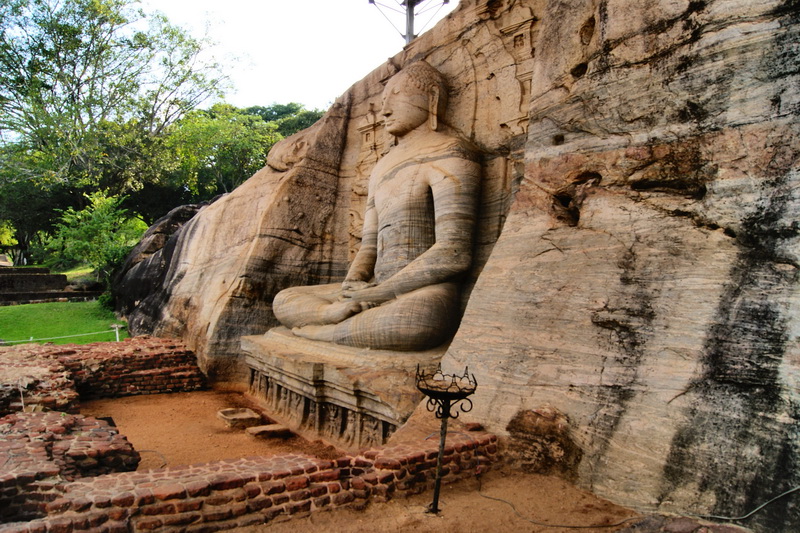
x,y
298,507
197,488
363,463
57,506
182,519
280,499
215,515
388,464
144,496
323,501
228,482
147,524
278,474
361,494
259,503
116,527
169,492
318,490
299,495
333,488
218,499
343,498
118,513
125,499
274,487
252,490
325,475
188,505
417,457
358,483
296,483
158,509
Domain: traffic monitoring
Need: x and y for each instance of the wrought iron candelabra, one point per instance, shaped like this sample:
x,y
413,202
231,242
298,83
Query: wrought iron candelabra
x,y
448,396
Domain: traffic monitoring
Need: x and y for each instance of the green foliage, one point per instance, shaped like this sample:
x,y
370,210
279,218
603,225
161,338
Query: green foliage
x,y
7,240
216,150
67,69
96,95
43,321
289,118
100,235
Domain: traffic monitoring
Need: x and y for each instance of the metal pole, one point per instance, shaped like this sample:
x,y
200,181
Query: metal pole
x,y
410,5
442,437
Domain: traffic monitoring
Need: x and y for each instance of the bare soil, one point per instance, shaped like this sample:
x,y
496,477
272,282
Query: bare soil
x,y
183,428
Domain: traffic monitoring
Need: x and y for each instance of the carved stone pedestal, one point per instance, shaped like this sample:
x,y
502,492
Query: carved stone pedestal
x,y
351,397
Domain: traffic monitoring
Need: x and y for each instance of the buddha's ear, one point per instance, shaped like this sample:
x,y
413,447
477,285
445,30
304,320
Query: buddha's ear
x,y
433,108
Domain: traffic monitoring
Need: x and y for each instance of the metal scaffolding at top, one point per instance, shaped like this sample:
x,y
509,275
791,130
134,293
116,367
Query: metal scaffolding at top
x,y
411,9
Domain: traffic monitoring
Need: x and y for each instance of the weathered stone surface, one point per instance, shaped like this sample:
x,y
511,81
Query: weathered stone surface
x,y
644,282
352,397
270,431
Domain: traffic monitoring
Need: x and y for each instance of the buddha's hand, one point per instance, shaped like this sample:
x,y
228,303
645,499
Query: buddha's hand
x,y
354,285
371,295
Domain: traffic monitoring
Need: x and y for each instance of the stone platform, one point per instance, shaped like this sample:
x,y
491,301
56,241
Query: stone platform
x,y
352,397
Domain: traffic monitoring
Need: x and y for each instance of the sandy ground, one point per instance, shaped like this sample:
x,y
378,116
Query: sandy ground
x,y
183,428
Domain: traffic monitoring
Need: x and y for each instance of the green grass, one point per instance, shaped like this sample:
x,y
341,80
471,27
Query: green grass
x,y
77,273
58,319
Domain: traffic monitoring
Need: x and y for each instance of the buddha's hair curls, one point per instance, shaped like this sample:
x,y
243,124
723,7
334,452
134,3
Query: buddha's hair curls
x,y
424,77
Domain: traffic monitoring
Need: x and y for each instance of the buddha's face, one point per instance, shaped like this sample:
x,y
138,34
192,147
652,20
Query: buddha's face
x,y
405,107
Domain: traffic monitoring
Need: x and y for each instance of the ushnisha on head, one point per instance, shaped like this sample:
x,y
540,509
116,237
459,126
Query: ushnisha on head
x,y
417,94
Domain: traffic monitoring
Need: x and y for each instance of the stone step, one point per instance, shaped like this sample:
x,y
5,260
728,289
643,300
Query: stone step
x,y
239,417
270,431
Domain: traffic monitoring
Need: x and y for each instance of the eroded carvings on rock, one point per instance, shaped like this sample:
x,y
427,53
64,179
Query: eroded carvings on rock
x,y
402,289
318,415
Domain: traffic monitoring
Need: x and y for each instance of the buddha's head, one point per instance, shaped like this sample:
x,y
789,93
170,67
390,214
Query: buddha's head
x,y
414,96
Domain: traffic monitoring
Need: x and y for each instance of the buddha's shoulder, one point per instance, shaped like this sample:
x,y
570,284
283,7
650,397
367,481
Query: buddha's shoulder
x,y
451,146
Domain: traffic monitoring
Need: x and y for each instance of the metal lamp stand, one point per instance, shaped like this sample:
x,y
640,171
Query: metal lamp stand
x,y
447,395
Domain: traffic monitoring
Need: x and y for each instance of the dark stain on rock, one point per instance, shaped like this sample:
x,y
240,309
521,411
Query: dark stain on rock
x,y
627,324
741,438
680,170
692,112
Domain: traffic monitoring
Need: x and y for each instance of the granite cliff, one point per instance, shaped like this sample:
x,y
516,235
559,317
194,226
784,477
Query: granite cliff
x,y
636,282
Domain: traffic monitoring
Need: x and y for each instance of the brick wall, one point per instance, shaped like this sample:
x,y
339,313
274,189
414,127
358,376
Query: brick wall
x,y
54,377
54,466
214,496
40,451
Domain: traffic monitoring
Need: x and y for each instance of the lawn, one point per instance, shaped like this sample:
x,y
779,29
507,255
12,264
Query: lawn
x,y
43,322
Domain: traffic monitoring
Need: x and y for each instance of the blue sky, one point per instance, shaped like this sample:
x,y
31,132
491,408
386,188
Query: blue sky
x,y
305,51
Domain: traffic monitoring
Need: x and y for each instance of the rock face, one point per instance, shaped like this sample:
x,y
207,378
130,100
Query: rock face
x,y
637,259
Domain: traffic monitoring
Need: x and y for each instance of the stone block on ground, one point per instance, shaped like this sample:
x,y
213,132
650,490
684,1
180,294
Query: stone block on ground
x,y
269,431
239,417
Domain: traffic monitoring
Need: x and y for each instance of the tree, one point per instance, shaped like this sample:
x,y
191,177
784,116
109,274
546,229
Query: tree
x,y
289,118
68,69
216,150
100,235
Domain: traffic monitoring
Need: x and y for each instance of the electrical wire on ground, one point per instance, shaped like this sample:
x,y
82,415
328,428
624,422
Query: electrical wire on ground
x,y
534,522
751,513
714,517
